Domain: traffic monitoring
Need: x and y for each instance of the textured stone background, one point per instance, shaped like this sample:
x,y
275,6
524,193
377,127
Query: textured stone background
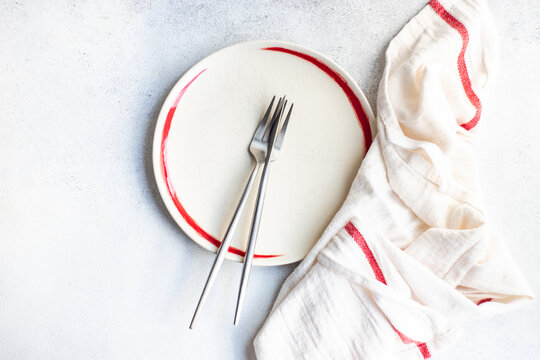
x,y
91,264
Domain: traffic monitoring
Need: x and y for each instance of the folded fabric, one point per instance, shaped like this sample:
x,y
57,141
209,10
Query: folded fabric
x,y
410,254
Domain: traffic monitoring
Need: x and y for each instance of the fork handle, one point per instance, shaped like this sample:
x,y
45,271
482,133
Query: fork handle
x,y
248,259
225,244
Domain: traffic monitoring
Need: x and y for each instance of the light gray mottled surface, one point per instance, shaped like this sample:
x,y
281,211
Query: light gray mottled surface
x,y
91,264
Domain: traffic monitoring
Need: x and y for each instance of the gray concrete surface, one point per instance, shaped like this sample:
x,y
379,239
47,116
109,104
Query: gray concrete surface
x,y
91,264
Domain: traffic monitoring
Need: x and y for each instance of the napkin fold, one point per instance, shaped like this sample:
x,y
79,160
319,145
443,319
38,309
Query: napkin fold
x,y
410,254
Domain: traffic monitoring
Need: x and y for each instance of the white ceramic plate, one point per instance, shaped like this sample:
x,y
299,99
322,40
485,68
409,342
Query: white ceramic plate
x,y
200,152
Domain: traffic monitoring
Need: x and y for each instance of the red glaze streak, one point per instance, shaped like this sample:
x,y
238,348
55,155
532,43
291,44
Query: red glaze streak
x,y
170,187
359,239
353,99
462,67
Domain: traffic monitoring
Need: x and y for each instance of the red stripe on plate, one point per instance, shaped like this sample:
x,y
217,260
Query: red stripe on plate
x,y
353,99
189,220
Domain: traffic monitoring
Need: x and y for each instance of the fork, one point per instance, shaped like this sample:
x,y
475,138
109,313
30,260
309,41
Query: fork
x,y
258,149
277,135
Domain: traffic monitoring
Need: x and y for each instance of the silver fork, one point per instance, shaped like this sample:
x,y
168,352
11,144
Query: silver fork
x,y
277,135
258,149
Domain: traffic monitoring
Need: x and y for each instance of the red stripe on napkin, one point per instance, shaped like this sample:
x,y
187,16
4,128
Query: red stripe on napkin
x,y
359,239
462,67
484,301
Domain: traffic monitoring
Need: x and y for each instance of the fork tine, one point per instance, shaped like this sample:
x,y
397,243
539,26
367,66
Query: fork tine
x,y
281,112
264,121
281,135
276,117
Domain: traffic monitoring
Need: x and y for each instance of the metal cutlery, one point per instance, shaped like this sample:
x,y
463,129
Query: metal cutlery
x,y
264,147
277,134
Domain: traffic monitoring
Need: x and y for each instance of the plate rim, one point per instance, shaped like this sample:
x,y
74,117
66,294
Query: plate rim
x,y
181,83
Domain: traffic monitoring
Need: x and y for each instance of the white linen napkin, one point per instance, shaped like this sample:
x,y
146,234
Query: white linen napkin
x,y
410,254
